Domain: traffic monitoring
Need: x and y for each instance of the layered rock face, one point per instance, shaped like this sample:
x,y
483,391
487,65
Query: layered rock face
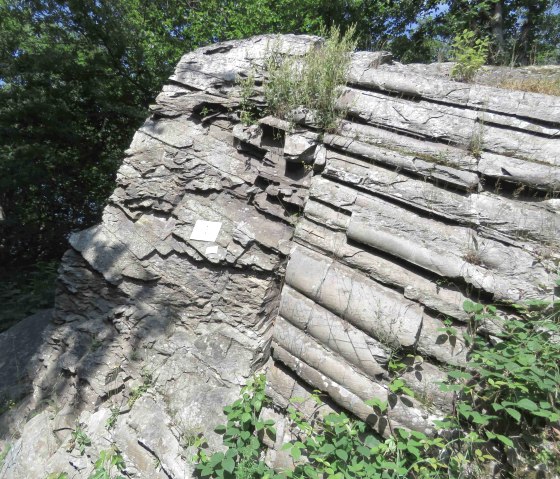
x,y
316,257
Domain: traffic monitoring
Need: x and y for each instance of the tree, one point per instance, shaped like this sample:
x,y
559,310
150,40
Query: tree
x,y
76,78
521,31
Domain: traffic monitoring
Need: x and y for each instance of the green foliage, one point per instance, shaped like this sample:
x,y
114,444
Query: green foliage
x,y
469,53
137,392
112,421
377,21
342,447
79,439
521,32
510,391
108,466
76,78
248,112
312,82
243,437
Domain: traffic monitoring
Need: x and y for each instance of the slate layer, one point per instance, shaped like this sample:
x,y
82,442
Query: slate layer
x,y
226,249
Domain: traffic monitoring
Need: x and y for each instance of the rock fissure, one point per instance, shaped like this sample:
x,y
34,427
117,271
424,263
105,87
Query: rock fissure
x,y
227,248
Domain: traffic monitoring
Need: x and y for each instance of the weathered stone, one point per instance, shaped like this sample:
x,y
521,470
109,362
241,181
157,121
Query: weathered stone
x,y
223,252
17,347
37,443
439,297
356,347
355,298
300,147
446,123
450,251
499,217
401,161
400,80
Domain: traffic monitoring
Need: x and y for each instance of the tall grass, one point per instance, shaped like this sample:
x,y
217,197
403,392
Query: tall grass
x,y
312,82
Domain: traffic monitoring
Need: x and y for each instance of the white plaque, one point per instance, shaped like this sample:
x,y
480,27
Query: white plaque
x,y
206,230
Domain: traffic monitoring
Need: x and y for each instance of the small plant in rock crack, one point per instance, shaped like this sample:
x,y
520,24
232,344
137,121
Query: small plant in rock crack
x,y
312,82
249,113
447,333
138,391
109,465
79,439
399,364
112,421
243,436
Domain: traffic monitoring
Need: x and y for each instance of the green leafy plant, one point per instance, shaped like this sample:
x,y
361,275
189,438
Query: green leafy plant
x,y
243,438
137,392
248,111
469,53
193,439
312,82
336,446
112,420
399,364
109,465
510,391
79,439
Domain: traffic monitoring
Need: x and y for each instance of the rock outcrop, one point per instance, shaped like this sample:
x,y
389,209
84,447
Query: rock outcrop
x,y
227,249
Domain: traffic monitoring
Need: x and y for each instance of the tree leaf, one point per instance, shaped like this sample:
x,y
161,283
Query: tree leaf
x,y
514,413
228,464
342,454
527,404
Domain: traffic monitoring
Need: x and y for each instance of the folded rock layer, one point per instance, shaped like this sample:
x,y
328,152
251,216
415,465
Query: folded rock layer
x,y
227,249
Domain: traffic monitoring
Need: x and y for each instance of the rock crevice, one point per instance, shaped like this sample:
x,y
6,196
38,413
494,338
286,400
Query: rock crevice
x,y
227,248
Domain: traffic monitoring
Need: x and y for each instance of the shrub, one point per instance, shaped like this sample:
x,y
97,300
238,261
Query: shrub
x,y
109,465
510,391
470,53
312,82
507,404
242,435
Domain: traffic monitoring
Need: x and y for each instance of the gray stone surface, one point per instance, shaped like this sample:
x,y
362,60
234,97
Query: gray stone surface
x,y
330,254
515,105
17,347
471,128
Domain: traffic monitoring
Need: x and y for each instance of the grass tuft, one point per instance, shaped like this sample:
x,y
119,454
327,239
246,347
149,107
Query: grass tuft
x,y
312,82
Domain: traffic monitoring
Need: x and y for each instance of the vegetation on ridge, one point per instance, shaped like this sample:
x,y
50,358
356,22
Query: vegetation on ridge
x,y
506,413
76,78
